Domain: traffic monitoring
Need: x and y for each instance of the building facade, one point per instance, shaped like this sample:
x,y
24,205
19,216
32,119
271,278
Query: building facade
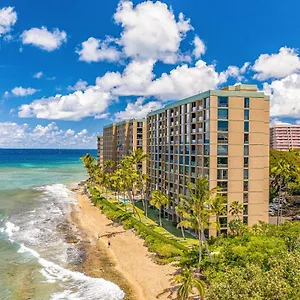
x,y
100,150
119,139
221,134
284,137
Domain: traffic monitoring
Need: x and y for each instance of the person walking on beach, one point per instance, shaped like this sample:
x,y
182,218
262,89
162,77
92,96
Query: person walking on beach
x,y
108,244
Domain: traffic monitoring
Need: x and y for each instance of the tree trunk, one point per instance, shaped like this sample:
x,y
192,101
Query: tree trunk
x,y
200,247
182,232
204,238
159,217
135,212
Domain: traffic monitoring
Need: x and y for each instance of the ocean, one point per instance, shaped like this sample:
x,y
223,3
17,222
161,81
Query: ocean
x,y
35,260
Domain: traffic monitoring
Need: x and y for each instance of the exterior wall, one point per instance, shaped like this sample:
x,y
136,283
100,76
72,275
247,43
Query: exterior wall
x,y
100,150
124,137
187,140
285,136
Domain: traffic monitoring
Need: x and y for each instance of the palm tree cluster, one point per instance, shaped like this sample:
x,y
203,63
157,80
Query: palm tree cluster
x,y
198,211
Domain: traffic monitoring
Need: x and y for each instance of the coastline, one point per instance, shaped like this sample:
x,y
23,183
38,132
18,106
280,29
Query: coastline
x,y
127,262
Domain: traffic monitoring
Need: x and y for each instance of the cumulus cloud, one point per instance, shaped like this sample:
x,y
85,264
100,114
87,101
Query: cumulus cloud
x,y
94,50
199,47
8,18
22,92
48,136
150,30
138,109
44,39
74,106
285,96
80,85
38,75
277,65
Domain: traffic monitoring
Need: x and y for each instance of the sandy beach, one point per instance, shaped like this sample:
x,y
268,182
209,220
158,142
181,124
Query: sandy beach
x,y
126,262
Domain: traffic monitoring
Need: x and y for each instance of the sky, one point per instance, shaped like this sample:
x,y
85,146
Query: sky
x,y
69,67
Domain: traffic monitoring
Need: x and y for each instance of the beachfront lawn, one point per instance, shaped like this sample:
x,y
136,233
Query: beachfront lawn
x,y
168,229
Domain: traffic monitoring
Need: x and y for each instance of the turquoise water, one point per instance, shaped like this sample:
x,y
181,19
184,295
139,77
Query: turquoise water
x,y
35,260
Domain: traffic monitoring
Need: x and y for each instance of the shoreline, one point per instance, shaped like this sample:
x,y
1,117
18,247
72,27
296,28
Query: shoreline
x,y
127,262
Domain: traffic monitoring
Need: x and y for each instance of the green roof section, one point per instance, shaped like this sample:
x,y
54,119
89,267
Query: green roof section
x,y
241,90
124,122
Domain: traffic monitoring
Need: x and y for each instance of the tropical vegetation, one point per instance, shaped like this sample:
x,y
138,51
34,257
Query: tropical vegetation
x,y
259,262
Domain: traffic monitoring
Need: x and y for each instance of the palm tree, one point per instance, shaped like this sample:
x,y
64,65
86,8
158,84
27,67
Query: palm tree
x,y
138,157
236,209
158,199
197,206
218,208
90,164
188,283
181,212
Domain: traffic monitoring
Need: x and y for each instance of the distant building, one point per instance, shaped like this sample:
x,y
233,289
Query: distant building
x,y
284,136
100,150
221,134
121,138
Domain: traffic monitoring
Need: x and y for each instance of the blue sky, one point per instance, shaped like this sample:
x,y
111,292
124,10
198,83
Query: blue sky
x,y
67,69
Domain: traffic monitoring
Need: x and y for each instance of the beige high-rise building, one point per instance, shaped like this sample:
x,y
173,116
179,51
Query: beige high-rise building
x,y
100,150
284,137
119,139
221,134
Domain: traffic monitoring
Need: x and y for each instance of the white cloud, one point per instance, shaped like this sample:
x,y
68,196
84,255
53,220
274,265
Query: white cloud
x,y
138,109
199,47
8,18
22,92
48,136
277,65
285,96
80,85
151,31
38,75
94,50
75,106
44,39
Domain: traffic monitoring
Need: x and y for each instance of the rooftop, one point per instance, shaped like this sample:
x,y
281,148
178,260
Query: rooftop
x,y
240,90
124,122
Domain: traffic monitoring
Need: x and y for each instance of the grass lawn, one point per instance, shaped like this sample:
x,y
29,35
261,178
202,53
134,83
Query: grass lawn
x,y
168,229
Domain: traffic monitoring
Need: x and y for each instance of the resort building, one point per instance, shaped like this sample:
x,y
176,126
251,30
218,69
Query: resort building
x,y
284,136
221,134
100,150
119,139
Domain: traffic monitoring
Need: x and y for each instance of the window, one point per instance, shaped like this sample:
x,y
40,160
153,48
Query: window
x,y
246,126
246,174
222,174
222,150
222,138
245,198
246,185
222,161
245,220
246,114
246,150
206,162
223,185
207,102
245,209
223,101
206,138
223,114
223,221
246,138
222,125
246,102
246,162
206,149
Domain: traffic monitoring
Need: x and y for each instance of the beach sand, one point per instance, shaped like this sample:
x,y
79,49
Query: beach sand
x,y
126,262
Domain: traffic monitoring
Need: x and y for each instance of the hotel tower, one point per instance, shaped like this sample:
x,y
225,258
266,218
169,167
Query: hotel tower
x,y
221,134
